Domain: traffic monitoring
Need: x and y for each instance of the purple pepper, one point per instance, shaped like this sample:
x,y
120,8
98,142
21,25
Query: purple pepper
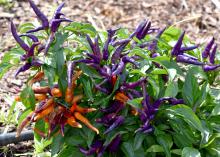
x,y
41,48
182,49
95,148
145,128
36,62
107,120
115,107
131,60
25,67
152,47
120,68
172,101
176,49
134,84
139,28
117,52
92,46
119,121
186,59
31,36
212,55
207,68
154,55
190,56
97,49
18,39
102,89
30,53
135,93
114,145
41,16
58,10
207,49
142,33
49,41
55,23
120,42
70,67
94,57
88,61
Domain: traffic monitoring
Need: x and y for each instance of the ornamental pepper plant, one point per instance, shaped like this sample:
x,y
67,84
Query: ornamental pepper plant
x,y
141,93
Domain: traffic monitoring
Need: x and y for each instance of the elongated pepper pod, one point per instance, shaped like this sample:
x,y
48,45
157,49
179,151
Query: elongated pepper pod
x,y
206,51
176,49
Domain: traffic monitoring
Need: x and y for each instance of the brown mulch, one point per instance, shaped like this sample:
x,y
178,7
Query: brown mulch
x,y
199,18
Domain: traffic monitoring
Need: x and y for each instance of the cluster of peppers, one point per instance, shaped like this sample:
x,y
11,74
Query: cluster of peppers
x,y
112,66
52,111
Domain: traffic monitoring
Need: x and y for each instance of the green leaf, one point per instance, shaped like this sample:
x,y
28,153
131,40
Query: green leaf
x,y
73,137
91,72
127,149
136,103
190,152
87,88
158,71
170,65
70,151
216,110
25,113
81,28
187,115
28,98
138,140
57,144
165,140
154,85
26,27
191,91
4,67
171,90
58,54
50,74
155,149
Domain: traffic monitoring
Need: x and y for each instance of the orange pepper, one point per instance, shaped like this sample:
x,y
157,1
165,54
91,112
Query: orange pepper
x,y
69,95
114,79
72,122
45,112
40,97
134,111
39,132
17,98
84,120
46,105
41,90
56,92
76,98
23,124
121,97
84,110
76,76
37,77
73,107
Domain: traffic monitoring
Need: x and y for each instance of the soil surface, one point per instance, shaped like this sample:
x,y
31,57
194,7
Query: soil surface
x,y
199,18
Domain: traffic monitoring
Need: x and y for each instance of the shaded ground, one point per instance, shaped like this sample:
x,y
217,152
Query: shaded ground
x,y
200,19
